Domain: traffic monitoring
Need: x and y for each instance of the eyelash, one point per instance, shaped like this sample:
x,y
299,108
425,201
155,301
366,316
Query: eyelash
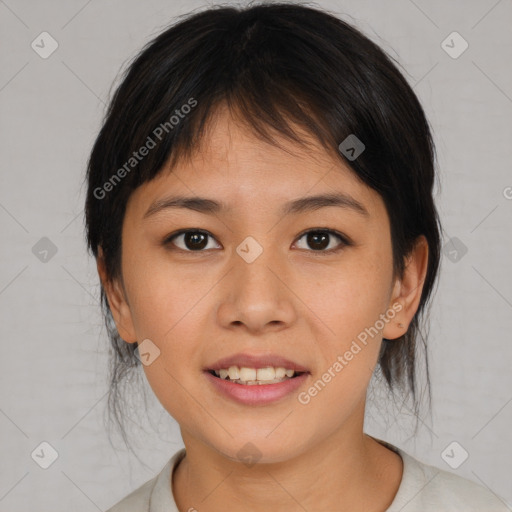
x,y
345,242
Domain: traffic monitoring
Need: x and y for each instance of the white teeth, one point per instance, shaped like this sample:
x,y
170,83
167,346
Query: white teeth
x,y
265,374
280,372
245,375
233,372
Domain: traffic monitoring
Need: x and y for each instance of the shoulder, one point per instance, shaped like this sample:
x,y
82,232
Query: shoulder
x,y
136,500
155,494
427,488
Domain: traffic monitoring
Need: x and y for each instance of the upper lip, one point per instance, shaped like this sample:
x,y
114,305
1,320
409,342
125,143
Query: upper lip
x,y
256,361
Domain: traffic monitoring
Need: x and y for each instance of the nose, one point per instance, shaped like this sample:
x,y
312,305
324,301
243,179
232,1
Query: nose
x,y
255,295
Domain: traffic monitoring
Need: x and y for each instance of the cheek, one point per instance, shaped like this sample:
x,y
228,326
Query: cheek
x,y
162,295
346,299
167,309
170,319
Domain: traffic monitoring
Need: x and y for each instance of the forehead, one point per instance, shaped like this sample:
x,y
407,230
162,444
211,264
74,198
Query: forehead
x,y
234,146
236,167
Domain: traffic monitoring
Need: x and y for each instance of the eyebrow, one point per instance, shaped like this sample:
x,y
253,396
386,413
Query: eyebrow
x,y
301,205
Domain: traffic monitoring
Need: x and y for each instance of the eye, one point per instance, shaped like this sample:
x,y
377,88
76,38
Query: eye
x,y
318,240
194,240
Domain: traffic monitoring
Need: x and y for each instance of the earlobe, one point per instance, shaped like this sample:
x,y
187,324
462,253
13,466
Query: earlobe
x,y
408,290
117,302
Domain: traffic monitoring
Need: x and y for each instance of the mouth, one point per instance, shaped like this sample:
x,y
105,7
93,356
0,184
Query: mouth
x,y
250,389
256,379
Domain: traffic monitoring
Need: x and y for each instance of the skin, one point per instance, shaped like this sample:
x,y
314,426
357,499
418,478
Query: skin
x,y
302,304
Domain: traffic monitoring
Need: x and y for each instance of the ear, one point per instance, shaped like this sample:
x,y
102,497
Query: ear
x,y
117,301
407,291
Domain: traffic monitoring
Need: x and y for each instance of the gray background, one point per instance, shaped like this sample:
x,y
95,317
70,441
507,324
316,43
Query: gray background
x,y
54,365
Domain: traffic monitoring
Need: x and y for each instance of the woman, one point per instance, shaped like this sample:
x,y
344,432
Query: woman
x,y
260,207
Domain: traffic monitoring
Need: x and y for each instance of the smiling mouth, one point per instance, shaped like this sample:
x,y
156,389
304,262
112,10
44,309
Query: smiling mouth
x,y
255,377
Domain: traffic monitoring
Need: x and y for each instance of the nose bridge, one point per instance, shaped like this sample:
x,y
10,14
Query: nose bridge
x,y
257,296
256,265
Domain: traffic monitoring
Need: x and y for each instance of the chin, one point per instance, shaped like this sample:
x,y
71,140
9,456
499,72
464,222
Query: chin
x,y
253,449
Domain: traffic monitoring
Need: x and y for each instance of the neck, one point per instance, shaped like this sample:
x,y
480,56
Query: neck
x,y
347,471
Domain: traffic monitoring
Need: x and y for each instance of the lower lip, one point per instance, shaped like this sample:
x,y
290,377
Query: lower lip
x,y
258,394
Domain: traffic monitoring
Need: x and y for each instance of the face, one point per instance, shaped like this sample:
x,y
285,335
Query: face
x,y
252,278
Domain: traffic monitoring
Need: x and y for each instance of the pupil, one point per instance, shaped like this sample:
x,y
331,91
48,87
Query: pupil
x,y
316,235
198,240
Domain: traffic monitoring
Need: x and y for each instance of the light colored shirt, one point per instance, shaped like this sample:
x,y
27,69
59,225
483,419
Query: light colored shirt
x,y
423,488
